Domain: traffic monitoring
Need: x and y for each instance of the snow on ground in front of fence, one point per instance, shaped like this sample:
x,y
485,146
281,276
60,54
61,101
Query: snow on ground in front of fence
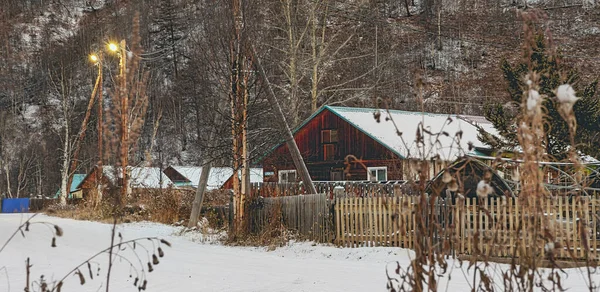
x,y
194,264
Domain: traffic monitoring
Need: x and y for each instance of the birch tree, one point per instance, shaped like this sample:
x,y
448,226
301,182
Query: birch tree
x,y
63,87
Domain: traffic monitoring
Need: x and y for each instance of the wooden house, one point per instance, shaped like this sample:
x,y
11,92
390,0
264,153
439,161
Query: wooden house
x,y
343,143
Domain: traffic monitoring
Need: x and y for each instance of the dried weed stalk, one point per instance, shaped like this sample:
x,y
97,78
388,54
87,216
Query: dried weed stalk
x,y
538,236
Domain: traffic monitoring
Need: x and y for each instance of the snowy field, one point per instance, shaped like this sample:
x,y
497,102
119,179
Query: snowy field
x,y
190,265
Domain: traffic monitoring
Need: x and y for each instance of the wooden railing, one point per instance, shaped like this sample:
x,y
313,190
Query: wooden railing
x,y
350,189
494,227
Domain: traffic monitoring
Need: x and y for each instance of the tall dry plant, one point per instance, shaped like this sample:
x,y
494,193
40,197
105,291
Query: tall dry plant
x,y
538,237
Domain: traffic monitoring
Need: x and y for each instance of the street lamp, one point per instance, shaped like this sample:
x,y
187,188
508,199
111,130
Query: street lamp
x,y
94,58
113,47
97,59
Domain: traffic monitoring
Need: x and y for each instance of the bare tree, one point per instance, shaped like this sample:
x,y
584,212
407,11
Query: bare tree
x,y
63,86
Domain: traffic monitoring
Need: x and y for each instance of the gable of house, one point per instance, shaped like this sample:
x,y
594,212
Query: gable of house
x,y
325,140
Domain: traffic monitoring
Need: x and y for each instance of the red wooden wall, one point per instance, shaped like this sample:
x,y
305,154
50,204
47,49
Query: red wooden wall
x,y
351,141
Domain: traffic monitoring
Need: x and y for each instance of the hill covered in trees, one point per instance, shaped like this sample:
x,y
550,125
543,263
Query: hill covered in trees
x,y
431,55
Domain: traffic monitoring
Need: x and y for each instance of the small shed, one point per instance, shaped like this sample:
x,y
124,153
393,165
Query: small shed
x,y
469,172
74,192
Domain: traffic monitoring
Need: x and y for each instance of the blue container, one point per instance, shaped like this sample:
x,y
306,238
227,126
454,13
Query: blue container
x,y
15,205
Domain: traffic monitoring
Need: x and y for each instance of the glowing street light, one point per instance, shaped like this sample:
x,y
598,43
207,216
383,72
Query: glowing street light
x,y
94,58
113,47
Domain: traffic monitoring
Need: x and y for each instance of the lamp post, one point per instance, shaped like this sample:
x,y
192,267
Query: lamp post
x,y
124,99
98,59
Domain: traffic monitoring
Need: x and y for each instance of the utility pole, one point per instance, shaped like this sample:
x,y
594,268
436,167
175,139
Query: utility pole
x,y
99,171
97,88
289,137
124,95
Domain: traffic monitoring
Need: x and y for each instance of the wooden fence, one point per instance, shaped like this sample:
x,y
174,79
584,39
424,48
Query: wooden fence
x,y
309,215
496,227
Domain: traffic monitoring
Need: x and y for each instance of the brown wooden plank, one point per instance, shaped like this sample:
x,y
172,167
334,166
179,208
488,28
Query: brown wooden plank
x,y
398,218
575,234
385,214
349,221
354,217
559,227
405,209
586,217
411,219
357,222
457,246
359,235
594,243
344,220
467,238
374,218
518,224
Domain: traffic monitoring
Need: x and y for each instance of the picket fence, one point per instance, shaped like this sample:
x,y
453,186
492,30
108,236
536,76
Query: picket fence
x,y
495,227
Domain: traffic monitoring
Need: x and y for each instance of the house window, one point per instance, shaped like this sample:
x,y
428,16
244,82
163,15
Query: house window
x,y
287,176
329,139
377,173
329,136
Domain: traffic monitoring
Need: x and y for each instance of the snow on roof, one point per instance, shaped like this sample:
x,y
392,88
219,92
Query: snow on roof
x,y
256,175
218,175
436,144
141,177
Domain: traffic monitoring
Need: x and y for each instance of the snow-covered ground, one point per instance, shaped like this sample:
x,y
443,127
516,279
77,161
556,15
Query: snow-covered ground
x,y
192,265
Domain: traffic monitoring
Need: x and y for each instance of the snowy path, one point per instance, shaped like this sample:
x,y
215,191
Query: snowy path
x,y
192,266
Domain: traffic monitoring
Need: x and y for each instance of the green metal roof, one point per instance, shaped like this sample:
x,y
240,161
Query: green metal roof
x,y
77,179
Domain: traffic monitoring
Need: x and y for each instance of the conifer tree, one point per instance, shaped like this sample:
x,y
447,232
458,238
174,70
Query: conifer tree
x,y
553,74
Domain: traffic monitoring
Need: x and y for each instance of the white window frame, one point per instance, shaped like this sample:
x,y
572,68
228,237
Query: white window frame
x,y
281,173
376,168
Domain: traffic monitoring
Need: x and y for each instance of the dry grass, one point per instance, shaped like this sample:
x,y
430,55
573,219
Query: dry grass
x,y
168,206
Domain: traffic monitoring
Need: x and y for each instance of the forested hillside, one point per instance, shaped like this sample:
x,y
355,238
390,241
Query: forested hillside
x,y
432,55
